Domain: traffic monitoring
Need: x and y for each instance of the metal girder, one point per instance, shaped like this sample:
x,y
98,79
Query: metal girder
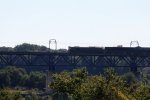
x,y
52,60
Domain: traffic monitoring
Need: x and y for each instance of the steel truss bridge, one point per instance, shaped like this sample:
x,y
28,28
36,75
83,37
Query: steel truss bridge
x,y
114,57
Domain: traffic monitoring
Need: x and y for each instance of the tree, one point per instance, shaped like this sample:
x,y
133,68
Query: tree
x,y
30,48
7,95
11,76
81,86
36,80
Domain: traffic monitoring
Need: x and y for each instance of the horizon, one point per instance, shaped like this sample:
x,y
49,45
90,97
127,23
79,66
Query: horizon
x,y
134,44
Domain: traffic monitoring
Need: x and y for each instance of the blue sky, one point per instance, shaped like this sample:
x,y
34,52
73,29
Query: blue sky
x,y
75,22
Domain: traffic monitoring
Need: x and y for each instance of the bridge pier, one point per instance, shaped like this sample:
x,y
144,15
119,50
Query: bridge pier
x,y
49,77
48,80
134,70
133,65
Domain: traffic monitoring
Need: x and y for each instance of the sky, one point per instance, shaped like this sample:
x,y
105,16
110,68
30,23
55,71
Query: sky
x,y
75,22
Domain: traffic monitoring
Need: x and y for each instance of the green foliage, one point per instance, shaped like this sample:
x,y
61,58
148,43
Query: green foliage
x,y
109,86
6,49
26,47
142,92
130,78
67,82
36,80
30,47
9,76
12,77
77,85
7,95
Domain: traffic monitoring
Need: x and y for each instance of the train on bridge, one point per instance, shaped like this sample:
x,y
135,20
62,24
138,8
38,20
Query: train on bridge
x,y
75,57
109,50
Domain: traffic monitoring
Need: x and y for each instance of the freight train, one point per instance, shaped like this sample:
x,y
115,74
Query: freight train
x,y
109,50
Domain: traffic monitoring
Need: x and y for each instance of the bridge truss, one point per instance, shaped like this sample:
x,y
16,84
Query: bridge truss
x,y
52,61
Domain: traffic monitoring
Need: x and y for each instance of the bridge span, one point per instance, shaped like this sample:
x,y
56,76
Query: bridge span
x,y
80,56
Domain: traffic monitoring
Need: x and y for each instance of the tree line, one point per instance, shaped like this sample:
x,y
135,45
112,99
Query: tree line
x,y
76,85
13,77
26,47
79,85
